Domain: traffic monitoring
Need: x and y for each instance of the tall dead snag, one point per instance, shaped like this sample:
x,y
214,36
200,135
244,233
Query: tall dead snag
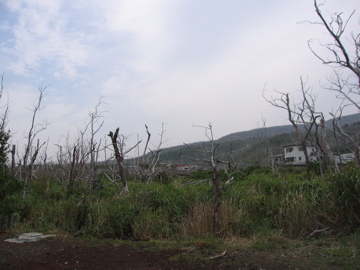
x,y
31,151
324,150
119,154
13,152
67,168
119,158
216,163
344,59
302,116
351,143
72,173
150,159
92,147
4,134
264,139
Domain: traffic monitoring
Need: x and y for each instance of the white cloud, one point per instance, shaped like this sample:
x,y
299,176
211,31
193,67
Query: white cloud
x,y
178,62
42,36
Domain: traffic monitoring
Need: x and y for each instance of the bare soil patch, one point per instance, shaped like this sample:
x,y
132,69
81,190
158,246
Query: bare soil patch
x,y
72,253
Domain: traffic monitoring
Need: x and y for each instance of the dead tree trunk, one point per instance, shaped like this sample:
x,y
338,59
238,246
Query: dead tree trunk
x,y
30,171
119,159
300,114
72,174
13,151
344,55
327,148
215,179
151,159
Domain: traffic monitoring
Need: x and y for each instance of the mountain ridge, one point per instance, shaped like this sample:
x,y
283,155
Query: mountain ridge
x,y
245,144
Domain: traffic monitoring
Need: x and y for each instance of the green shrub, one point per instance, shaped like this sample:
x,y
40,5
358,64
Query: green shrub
x,y
120,220
201,174
256,203
345,190
10,200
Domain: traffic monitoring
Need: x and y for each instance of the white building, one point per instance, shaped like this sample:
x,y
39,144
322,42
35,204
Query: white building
x,y
294,155
344,158
183,167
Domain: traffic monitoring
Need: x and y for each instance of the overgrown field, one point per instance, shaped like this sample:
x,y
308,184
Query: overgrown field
x,y
261,202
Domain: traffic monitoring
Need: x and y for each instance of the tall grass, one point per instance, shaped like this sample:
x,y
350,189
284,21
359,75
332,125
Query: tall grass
x,y
255,204
345,192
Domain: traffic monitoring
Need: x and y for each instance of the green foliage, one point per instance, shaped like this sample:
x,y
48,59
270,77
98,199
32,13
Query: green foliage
x,y
201,174
258,203
11,209
256,170
345,191
121,218
8,186
5,182
163,178
4,148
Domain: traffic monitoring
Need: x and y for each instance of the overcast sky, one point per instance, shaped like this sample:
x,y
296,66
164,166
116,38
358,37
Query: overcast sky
x,y
178,62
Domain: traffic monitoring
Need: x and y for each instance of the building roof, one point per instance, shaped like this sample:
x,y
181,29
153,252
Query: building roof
x,y
296,145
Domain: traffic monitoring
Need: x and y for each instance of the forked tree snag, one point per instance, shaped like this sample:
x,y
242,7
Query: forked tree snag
x,y
119,154
119,159
150,159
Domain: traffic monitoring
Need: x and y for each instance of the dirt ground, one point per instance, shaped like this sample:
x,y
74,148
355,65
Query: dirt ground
x,y
72,253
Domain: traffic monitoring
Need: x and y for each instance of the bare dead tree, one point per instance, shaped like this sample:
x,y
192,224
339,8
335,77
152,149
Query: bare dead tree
x,y
94,126
210,157
13,152
302,116
34,129
5,115
269,151
72,173
31,151
44,168
77,159
351,142
4,134
2,84
341,58
119,154
30,167
344,60
110,172
150,157
324,150
68,165
60,165
345,88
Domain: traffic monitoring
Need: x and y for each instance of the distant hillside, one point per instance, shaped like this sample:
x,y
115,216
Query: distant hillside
x,y
247,146
273,131
243,135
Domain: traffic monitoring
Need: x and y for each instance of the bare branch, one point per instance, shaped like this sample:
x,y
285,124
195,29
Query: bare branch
x,y
336,27
33,131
